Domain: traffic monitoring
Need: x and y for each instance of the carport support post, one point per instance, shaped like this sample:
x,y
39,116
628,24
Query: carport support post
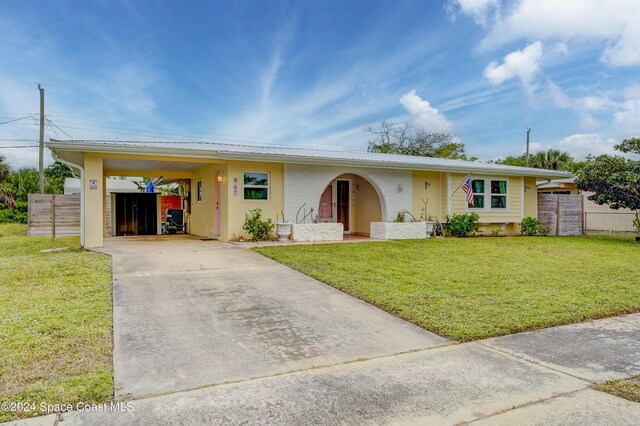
x,y
93,195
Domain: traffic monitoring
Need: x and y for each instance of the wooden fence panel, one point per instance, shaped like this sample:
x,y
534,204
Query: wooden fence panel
x,y
562,213
53,214
571,214
548,212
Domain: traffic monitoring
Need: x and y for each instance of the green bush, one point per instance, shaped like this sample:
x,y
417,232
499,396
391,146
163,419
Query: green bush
x,y
462,225
13,215
544,231
259,229
530,225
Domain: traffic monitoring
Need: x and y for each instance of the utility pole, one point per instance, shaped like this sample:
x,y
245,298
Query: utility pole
x,y
41,147
526,156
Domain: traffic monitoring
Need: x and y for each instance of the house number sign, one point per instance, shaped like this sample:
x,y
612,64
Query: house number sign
x,y
235,186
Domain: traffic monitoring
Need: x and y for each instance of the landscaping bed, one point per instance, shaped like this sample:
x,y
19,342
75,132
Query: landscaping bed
x,y
55,322
468,289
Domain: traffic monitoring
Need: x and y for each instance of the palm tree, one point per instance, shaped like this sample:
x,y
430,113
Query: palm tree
x,y
5,170
551,159
6,194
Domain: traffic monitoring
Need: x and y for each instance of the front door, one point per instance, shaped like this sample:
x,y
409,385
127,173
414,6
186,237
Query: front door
x,y
342,204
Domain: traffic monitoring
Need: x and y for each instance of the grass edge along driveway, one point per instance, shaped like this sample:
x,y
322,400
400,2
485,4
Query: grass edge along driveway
x,y
475,288
55,323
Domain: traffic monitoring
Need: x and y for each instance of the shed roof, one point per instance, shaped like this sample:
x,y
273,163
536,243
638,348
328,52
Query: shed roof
x,y
288,154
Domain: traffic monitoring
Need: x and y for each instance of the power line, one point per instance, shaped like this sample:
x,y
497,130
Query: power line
x,y
19,146
17,119
55,126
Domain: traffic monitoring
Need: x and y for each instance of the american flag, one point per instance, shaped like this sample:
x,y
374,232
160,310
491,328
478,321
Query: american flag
x,y
466,187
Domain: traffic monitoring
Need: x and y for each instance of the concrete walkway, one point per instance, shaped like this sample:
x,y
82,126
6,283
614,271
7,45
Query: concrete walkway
x,y
480,382
190,313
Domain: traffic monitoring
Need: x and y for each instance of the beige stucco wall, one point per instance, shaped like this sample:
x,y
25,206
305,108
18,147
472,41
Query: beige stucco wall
x,y
428,186
530,197
202,220
236,206
94,202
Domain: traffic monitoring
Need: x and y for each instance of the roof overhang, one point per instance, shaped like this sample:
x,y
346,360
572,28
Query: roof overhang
x,y
73,151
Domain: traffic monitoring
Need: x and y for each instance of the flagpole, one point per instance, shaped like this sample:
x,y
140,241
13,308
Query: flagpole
x,y
463,180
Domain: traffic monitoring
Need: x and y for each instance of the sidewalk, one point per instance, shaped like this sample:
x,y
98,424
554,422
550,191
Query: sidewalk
x,y
532,378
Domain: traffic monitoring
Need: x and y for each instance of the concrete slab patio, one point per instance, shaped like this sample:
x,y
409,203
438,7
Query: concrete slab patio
x,y
189,313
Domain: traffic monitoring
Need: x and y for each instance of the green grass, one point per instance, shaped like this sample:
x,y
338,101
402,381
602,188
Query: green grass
x,y
12,230
627,389
468,289
55,323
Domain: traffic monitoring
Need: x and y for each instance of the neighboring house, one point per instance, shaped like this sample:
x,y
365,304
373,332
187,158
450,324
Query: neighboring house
x,y
596,217
222,182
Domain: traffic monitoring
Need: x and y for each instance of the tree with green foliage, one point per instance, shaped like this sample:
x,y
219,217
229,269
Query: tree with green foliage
x,y
511,160
551,159
15,187
5,169
614,180
390,138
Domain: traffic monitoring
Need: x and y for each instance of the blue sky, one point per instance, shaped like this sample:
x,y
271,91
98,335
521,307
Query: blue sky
x,y
317,73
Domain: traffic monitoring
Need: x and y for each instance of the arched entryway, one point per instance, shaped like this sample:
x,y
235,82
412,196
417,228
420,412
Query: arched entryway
x,y
351,200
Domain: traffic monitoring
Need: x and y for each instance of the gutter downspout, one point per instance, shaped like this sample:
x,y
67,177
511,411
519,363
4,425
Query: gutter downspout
x,y
78,167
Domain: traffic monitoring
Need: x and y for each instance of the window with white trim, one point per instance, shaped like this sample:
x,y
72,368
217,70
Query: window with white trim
x,y
255,185
489,194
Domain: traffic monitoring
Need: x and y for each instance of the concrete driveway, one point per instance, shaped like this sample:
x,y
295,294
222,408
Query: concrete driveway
x,y
189,313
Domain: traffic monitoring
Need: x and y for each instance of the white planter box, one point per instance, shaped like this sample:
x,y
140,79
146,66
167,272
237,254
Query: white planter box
x,y
317,231
430,226
398,230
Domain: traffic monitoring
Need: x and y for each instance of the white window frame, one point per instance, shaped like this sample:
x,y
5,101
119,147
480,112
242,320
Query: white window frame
x,y
488,194
267,186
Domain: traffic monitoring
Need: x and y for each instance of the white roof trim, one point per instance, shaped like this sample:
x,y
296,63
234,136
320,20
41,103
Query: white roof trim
x,y
294,155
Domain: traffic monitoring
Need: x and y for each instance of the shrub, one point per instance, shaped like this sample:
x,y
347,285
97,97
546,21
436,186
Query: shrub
x,y
259,229
495,232
12,216
544,231
530,225
462,225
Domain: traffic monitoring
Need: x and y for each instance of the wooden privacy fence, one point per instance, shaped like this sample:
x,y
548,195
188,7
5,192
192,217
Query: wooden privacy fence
x,y
54,215
562,213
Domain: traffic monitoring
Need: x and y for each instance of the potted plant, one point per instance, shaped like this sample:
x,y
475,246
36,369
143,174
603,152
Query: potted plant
x,y
283,228
636,224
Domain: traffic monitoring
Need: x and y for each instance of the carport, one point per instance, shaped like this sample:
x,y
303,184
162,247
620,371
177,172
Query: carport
x,y
139,213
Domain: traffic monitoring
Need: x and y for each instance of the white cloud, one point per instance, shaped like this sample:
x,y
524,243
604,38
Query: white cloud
x,y
523,64
628,118
584,106
424,115
588,122
477,9
581,145
593,103
615,23
632,91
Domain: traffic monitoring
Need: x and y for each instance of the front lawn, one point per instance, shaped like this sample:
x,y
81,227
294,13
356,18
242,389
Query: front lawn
x,y
55,322
468,289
